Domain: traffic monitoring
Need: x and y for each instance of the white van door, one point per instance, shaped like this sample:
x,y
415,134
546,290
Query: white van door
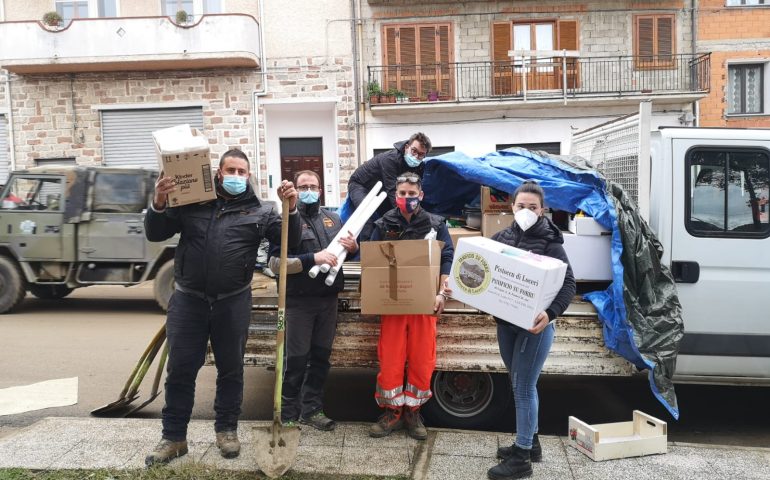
x,y
720,255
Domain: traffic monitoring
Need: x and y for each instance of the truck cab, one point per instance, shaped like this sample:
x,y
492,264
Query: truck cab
x,y
63,228
709,208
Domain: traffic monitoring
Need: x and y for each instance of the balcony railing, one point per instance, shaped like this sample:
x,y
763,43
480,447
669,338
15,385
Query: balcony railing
x,y
543,78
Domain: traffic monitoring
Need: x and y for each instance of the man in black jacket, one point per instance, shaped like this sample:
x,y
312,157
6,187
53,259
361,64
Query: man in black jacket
x,y
406,156
213,267
311,307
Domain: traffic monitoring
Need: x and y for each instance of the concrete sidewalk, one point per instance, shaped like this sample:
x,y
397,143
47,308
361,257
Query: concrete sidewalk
x,y
90,443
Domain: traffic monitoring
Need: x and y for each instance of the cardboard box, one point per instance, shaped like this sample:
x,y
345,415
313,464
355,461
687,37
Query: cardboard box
x,y
586,226
493,200
400,277
183,153
590,256
504,281
458,233
491,223
645,435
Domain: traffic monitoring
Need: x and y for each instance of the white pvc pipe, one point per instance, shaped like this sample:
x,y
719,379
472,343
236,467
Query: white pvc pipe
x,y
335,270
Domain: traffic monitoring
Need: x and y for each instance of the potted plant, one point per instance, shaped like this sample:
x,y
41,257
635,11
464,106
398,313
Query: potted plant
x,y
182,17
401,97
391,95
374,91
432,95
52,19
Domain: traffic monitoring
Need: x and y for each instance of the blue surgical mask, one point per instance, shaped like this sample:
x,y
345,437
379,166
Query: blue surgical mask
x,y
411,160
234,184
308,197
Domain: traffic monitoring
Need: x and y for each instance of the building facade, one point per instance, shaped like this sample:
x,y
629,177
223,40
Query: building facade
x,y
737,34
245,72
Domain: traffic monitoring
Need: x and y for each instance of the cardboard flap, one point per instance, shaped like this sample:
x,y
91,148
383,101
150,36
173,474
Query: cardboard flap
x,y
389,251
407,253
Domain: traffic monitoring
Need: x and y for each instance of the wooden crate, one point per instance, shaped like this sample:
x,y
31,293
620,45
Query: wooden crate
x,y
644,435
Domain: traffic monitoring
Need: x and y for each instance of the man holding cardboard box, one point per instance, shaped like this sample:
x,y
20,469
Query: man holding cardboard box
x,y
214,264
524,351
408,340
406,156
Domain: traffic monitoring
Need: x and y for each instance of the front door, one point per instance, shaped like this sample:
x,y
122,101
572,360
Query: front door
x,y
721,256
32,216
298,154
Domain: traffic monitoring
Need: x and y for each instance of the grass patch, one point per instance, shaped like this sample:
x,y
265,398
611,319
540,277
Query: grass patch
x,y
188,471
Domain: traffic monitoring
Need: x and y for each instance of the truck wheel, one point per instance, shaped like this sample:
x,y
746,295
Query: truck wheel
x,y
12,285
164,284
50,292
468,400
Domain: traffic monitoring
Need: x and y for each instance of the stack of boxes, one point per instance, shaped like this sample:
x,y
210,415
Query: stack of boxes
x,y
496,214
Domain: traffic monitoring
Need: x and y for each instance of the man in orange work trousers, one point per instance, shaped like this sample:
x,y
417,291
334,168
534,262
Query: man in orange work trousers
x,y
408,339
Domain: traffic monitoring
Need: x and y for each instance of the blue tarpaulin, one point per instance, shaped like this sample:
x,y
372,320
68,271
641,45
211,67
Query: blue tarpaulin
x,y
452,181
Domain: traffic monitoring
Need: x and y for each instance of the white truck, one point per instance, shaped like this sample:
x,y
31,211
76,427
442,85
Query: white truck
x,y
705,194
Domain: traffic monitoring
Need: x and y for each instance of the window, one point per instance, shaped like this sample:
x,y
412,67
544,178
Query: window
x,y
746,3
25,193
69,10
654,44
119,192
745,88
417,59
107,8
541,35
192,7
728,193
548,147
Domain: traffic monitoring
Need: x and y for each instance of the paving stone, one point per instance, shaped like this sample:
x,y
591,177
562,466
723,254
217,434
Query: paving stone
x,y
738,463
379,461
465,444
247,460
32,455
92,454
321,459
336,438
451,467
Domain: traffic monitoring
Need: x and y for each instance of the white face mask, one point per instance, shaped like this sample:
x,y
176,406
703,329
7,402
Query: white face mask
x,y
526,218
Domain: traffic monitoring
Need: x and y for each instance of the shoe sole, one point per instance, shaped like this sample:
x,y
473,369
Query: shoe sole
x,y
329,428
149,461
229,455
532,459
510,477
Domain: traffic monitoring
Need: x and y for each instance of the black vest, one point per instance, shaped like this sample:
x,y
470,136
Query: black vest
x,y
393,225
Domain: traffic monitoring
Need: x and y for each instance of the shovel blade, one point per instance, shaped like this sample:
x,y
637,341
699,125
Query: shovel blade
x,y
114,409
276,447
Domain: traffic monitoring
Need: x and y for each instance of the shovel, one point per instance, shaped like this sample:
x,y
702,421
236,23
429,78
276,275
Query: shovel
x,y
128,394
155,384
276,444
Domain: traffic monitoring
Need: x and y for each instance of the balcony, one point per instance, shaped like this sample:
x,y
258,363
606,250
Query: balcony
x,y
131,44
540,81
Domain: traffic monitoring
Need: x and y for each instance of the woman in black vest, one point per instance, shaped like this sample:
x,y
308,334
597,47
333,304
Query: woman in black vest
x,y
524,351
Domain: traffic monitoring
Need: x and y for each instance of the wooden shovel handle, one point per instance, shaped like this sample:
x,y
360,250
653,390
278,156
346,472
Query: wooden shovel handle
x,y
281,326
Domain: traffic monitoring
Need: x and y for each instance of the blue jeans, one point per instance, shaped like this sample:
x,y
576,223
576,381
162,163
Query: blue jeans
x,y
524,354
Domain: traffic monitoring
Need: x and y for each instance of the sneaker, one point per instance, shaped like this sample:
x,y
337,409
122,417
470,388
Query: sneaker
x,y
517,465
165,451
535,455
388,422
414,424
228,444
319,421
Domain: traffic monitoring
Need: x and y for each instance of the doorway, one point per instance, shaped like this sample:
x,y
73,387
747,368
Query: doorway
x,y
299,154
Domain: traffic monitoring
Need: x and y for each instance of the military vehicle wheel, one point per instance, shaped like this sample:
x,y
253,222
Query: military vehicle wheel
x,y
12,285
50,292
468,400
164,284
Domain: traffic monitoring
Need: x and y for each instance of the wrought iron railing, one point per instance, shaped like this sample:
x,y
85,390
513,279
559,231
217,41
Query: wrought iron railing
x,y
551,77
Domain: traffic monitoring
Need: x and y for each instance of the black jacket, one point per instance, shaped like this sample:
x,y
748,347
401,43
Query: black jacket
x,y
393,226
385,167
217,249
319,226
543,238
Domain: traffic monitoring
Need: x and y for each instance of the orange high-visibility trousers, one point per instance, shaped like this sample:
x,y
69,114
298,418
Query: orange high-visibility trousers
x,y
405,340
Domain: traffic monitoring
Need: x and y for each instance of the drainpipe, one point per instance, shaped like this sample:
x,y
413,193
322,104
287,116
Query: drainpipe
x,y
694,48
255,98
11,143
355,25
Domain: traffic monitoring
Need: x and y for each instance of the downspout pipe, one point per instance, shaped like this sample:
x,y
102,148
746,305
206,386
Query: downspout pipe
x,y
694,48
354,24
255,94
11,142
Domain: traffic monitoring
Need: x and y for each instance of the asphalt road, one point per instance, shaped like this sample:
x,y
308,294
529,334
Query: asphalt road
x,y
98,334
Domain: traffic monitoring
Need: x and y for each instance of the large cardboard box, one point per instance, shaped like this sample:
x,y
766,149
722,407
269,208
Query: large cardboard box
x,y
504,281
491,223
590,256
400,277
493,200
644,435
458,233
586,226
183,154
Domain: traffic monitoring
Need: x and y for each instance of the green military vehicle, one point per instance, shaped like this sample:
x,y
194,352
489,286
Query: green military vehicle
x,y
65,227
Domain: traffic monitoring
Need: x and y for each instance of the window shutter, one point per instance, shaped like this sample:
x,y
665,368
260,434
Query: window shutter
x,y
446,85
502,71
568,40
390,39
407,58
428,60
665,38
645,38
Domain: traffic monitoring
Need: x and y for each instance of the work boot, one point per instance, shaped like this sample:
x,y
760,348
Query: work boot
x,y
535,455
414,423
228,444
319,421
388,422
517,465
165,451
